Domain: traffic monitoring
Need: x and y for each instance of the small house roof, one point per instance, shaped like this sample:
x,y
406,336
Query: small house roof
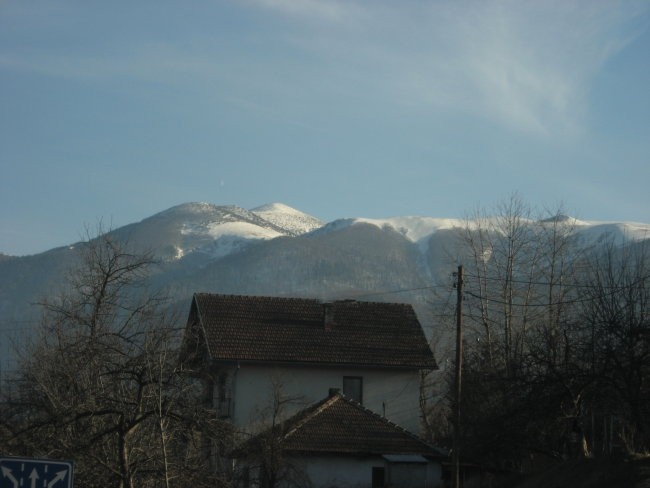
x,y
339,425
278,329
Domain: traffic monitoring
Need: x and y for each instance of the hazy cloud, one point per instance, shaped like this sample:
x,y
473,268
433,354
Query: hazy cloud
x,y
317,9
524,64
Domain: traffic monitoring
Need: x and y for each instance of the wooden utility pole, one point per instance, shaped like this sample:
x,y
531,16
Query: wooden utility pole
x,y
459,370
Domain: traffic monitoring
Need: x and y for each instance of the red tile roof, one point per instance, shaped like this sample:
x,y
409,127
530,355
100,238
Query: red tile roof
x,y
254,328
340,425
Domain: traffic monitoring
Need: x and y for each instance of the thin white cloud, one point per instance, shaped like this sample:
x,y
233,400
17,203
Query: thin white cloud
x,y
318,9
524,64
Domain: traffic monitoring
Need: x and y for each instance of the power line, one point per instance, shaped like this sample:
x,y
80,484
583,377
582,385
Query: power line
x,y
515,304
568,285
401,290
565,302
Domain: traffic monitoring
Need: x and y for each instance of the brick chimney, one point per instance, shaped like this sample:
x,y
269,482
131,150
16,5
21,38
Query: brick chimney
x,y
328,316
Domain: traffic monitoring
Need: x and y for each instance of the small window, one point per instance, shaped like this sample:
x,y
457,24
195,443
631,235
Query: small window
x,y
378,477
222,386
353,388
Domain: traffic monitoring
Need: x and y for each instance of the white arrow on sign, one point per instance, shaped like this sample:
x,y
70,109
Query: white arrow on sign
x,y
33,477
6,472
59,477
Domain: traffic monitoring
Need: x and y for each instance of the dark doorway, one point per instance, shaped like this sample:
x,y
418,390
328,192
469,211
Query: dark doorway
x,y
378,477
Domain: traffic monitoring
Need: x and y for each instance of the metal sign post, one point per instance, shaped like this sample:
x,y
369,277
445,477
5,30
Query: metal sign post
x,y
35,473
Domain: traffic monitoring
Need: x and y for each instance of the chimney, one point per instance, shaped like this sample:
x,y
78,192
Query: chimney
x,y
328,316
333,392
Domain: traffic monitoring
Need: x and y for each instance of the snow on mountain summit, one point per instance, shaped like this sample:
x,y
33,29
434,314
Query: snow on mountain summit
x,y
292,220
186,209
419,230
416,229
210,231
277,207
215,231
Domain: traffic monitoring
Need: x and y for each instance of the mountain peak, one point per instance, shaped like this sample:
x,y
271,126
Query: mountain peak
x,y
286,217
189,208
275,207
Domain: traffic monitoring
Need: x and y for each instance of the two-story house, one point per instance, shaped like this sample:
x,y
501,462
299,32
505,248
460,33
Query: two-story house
x,y
266,359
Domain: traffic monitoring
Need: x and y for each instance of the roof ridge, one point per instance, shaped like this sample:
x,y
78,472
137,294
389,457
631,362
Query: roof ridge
x,y
393,439
330,401
294,298
389,422
243,295
318,409
306,330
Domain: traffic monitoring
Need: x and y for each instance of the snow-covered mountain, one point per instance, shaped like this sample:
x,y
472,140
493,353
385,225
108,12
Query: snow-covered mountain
x,y
420,230
275,250
214,231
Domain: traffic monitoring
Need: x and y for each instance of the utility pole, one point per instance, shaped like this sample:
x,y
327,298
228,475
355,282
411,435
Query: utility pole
x,y
459,369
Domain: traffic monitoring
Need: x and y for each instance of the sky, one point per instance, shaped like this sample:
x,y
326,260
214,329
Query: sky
x,y
114,111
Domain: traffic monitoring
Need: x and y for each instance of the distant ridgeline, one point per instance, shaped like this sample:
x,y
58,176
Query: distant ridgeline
x,y
277,250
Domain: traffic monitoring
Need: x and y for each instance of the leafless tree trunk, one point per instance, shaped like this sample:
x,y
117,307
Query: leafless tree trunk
x,y
616,333
102,381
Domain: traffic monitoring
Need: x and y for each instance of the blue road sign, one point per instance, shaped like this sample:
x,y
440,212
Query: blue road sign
x,y
35,473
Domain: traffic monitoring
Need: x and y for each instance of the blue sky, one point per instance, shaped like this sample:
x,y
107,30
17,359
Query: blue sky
x,y
117,110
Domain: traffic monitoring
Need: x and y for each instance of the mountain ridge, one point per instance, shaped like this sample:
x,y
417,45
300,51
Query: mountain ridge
x,y
275,250
211,221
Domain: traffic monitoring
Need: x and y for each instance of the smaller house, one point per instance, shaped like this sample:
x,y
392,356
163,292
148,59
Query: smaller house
x,y
338,442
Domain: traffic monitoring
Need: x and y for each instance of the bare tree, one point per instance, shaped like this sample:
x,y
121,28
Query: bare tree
x,y
520,374
508,254
557,343
262,453
101,383
615,326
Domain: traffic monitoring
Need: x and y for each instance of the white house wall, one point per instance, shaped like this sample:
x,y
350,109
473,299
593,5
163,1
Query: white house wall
x,y
356,472
394,392
406,475
340,471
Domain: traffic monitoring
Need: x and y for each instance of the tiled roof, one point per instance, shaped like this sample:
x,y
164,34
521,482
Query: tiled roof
x,y
253,328
340,425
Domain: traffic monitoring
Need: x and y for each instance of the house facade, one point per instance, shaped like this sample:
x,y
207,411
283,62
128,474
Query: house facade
x,y
264,360
245,392
251,349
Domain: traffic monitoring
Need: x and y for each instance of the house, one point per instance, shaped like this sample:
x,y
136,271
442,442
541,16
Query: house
x,y
249,346
338,442
265,360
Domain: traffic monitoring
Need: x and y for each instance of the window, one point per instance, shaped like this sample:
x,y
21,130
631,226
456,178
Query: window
x,y
223,398
353,388
378,480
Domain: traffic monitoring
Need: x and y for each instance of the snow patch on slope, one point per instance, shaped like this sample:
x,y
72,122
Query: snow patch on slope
x,y
204,228
292,220
593,232
420,229
228,234
192,208
416,229
243,230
